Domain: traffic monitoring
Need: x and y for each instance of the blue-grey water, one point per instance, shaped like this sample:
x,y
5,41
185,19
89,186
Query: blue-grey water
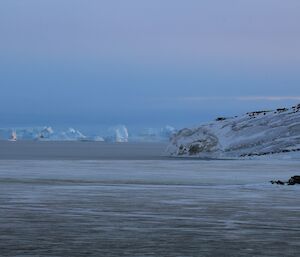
x,y
147,207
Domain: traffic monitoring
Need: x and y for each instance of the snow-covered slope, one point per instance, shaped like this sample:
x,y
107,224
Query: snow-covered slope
x,y
259,133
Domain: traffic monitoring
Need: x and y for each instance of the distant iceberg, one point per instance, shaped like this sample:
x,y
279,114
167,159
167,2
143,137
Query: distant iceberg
x,y
45,133
72,134
13,136
155,134
117,134
97,139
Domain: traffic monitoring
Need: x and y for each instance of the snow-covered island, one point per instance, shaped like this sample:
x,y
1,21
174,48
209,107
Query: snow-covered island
x,y
259,133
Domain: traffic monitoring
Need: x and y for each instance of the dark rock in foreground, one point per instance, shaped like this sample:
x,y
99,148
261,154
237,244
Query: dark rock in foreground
x,y
292,181
278,182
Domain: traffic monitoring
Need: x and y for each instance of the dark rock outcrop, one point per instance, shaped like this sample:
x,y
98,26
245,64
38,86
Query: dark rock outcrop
x,y
292,181
278,182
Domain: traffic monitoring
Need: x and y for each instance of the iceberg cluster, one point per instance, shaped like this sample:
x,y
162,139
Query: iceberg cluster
x,y
257,133
116,134
44,133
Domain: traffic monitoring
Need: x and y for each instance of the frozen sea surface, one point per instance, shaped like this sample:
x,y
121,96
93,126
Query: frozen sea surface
x,y
148,208
75,150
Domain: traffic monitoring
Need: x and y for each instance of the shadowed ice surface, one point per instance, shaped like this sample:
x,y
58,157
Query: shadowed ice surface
x,y
148,208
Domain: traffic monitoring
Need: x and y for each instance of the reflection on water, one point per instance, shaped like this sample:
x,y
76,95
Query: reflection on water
x,y
148,208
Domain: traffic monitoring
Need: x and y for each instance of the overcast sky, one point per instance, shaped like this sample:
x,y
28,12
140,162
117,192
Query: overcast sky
x,y
145,62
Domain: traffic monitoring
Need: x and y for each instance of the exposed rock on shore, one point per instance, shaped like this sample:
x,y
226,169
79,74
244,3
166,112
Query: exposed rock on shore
x,y
292,181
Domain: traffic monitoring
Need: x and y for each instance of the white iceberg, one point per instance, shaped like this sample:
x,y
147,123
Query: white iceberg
x,y
72,135
121,134
46,133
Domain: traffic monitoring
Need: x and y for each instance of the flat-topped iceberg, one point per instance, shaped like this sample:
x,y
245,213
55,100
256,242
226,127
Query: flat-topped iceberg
x,y
257,133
